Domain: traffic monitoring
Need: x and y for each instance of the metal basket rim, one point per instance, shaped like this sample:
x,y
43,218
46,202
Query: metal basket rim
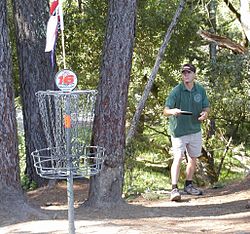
x,y
60,172
59,92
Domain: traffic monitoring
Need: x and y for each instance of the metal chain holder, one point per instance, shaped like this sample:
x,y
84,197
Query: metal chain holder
x,y
67,119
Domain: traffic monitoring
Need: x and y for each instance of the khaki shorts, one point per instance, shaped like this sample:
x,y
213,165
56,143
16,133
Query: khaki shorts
x,y
191,143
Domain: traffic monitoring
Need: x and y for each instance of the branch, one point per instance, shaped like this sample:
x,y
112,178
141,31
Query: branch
x,y
231,7
223,156
223,42
157,131
241,20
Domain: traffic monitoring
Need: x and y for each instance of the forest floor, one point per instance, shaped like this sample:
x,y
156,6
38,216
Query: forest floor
x,y
222,210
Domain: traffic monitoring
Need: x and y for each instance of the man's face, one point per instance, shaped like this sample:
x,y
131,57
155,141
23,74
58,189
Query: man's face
x,y
188,76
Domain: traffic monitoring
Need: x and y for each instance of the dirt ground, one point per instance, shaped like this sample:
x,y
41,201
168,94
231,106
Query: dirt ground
x,y
222,210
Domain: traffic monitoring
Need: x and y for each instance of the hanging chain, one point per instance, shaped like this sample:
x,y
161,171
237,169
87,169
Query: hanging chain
x,y
79,106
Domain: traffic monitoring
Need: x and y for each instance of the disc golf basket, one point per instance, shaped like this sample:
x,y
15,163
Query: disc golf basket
x,y
67,119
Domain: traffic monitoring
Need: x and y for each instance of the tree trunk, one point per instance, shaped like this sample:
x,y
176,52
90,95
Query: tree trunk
x,y
9,164
34,70
212,21
109,123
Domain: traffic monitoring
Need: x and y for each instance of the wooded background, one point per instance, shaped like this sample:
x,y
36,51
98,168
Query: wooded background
x,y
118,48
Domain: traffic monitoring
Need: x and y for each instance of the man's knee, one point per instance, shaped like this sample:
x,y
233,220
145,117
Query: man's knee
x,y
177,159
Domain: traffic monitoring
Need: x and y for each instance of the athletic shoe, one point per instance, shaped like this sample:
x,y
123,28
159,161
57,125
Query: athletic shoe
x,y
190,189
175,195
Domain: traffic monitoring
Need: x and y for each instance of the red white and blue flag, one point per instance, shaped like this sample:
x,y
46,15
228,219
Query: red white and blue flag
x,y
56,19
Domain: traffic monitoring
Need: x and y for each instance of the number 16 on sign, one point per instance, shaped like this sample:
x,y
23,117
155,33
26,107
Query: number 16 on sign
x,y
66,80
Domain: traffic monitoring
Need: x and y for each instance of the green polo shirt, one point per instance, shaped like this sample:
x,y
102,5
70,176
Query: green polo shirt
x,y
195,101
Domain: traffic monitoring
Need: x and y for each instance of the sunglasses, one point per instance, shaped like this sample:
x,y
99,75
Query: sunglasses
x,y
186,71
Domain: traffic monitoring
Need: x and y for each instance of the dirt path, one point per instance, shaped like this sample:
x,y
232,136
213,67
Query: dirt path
x,y
223,210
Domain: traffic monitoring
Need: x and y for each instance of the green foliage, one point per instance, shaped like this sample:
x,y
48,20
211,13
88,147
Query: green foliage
x,y
147,164
27,184
21,150
84,35
139,180
229,96
13,48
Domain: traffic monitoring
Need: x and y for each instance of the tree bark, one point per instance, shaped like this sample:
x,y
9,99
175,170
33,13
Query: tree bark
x,y
212,20
9,163
141,104
109,123
35,72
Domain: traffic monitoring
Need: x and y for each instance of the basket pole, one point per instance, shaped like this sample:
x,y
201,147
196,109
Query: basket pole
x,y
64,159
70,189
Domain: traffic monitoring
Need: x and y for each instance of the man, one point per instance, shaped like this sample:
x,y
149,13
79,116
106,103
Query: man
x,y
185,130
